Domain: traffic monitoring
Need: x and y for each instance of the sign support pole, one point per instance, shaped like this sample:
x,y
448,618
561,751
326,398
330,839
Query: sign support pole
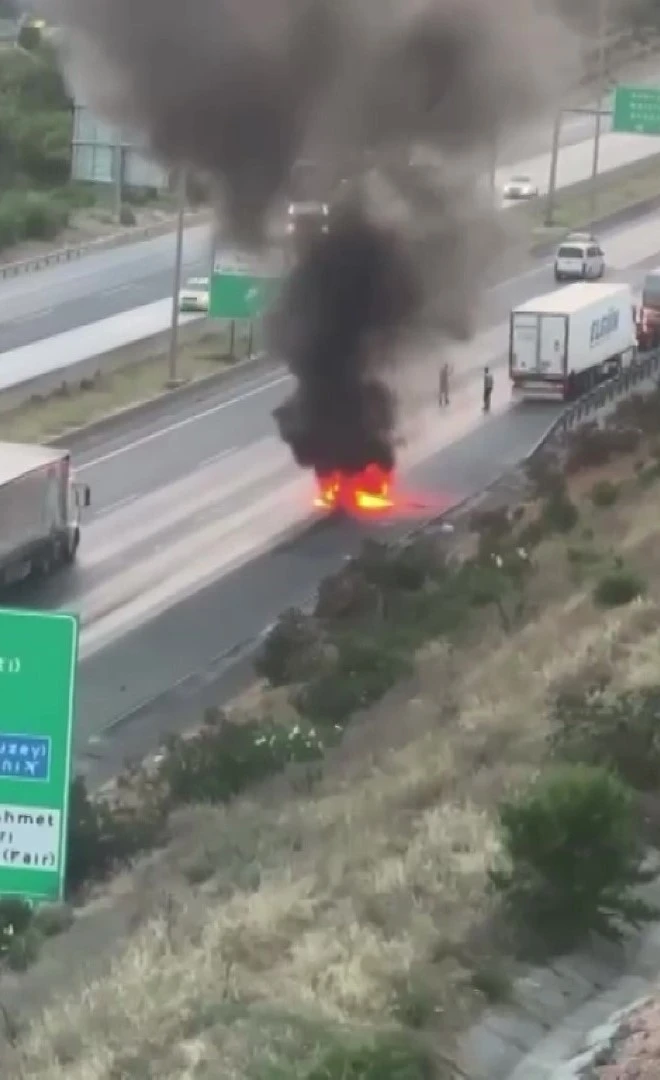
x,y
173,379
602,90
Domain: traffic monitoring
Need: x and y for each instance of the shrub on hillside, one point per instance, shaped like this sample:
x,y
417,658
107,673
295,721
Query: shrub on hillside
x,y
619,587
544,474
559,514
364,671
618,731
383,1057
572,858
494,530
223,759
291,650
15,918
397,566
30,215
103,836
592,445
348,594
641,411
648,474
604,493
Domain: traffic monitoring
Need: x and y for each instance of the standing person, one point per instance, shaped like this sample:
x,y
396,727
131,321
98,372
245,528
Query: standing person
x,y
444,385
488,389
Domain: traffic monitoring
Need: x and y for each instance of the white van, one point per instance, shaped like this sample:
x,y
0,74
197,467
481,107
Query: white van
x,y
579,258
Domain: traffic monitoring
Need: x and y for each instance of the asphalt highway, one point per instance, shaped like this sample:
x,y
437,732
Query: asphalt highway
x,y
198,534
53,301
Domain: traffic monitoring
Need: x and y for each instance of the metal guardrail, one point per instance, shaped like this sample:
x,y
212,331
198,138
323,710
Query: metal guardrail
x,y
571,418
644,368
103,243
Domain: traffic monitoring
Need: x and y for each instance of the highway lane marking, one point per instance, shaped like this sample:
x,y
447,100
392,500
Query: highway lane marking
x,y
117,289
112,507
183,569
40,314
177,503
178,425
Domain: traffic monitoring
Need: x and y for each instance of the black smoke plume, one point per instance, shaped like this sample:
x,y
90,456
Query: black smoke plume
x,y
237,90
338,325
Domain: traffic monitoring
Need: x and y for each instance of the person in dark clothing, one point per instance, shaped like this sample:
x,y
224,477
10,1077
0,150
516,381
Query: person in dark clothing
x,y
488,389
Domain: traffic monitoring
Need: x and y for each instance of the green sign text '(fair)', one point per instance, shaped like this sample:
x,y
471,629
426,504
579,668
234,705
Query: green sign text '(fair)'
x,y
38,661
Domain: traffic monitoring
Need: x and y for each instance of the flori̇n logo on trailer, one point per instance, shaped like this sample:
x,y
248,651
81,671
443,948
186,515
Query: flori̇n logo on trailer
x,y
604,325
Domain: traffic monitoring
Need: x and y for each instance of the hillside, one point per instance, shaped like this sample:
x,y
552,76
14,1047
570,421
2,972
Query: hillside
x,y
336,920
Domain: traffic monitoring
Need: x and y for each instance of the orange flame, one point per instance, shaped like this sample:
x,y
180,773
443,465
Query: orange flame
x,y
367,491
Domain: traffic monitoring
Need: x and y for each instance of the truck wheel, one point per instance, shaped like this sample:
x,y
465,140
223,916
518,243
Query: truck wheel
x,y
71,550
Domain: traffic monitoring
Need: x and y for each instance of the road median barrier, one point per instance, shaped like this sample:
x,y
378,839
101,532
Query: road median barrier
x,y
74,252
623,195
125,384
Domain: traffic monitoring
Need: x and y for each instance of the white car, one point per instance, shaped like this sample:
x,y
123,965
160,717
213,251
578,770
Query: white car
x,y
194,296
520,187
579,258
307,217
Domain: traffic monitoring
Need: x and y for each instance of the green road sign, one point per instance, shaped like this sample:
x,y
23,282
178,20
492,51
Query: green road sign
x,y
239,297
38,661
242,286
637,109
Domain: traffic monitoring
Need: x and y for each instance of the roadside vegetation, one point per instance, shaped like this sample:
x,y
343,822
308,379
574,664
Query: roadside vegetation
x,y
38,200
36,196
447,768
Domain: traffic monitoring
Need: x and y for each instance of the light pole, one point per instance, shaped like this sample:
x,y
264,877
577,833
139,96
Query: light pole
x,y
119,178
602,90
552,179
173,374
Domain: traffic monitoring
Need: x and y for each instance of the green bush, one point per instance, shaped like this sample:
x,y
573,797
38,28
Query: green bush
x,y
291,649
347,595
494,529
640,411
592,445
364,672
544,475
572,858
619,587
559,514
392,566
604,493
103,836
384,1057
648,475
532,534
620,732
43,216
15,920
223,759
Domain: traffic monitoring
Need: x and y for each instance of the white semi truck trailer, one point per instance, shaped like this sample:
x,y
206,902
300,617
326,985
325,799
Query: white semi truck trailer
x,y
40,510
563,344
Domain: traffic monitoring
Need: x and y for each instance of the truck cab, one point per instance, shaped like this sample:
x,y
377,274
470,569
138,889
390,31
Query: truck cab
x,y
647,314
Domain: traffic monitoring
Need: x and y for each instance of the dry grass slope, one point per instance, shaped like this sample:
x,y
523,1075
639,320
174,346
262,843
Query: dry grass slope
x,y
325,913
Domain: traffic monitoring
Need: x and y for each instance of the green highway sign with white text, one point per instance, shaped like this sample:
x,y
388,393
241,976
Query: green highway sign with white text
x,y
637,110
38,663
242,286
